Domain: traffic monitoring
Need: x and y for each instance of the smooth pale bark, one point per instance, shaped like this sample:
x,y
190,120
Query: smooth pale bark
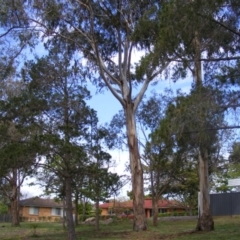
x,y
139,222
71,234
205,220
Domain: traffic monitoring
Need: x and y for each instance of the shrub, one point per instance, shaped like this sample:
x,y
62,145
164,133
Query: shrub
x,y
34,227
172,214
3,208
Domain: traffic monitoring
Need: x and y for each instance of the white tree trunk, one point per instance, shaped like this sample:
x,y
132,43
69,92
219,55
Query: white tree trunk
x,y
139,221
205,221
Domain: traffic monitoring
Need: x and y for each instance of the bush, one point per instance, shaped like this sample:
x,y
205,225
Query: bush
x,y
195,212
34,227
172,214
3,208
166,214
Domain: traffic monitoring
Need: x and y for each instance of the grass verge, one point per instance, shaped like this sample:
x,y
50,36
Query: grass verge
x,y
225,228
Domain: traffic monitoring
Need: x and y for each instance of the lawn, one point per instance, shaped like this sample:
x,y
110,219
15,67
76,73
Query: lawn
x,y
225,228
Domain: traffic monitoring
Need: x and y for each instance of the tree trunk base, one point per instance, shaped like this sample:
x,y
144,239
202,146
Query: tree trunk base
x,y
15,225
139,227
205,223
155,221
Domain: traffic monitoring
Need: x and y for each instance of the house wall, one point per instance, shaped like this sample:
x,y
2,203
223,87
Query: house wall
x,y
176,210
44,214
148,212
104,211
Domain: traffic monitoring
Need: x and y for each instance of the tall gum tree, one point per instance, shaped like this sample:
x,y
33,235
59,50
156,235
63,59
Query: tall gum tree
x,y
103,32
201,34
15,36
205,220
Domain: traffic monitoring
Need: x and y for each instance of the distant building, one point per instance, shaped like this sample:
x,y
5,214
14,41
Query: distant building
x,y
33,209
116,207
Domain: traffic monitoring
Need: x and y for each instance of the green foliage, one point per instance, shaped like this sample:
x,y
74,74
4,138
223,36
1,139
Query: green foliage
x,y
34,227
234,156
3,208
234,170
229,170
195,118
130,194
85,207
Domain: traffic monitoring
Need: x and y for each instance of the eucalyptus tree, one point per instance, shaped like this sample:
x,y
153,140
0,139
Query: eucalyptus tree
x,y
197,119
16,36
195,34
102,31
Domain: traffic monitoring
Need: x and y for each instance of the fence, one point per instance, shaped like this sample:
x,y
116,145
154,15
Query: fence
x,y
225,204
5,218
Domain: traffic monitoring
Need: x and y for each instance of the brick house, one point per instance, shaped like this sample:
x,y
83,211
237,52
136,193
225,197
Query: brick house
x,y
115,207
40,209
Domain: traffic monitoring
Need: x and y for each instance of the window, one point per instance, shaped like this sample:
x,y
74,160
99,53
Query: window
x,y
34,210
162,210
56,211
111,211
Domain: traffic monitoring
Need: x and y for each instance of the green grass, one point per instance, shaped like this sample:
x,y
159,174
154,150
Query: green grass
x,y
225,228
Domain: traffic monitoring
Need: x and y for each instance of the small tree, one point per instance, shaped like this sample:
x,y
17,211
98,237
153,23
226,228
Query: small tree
x,y
101,183
19,147
64,120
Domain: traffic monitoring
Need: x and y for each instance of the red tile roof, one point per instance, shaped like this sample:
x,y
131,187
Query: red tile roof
x,y
147,204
